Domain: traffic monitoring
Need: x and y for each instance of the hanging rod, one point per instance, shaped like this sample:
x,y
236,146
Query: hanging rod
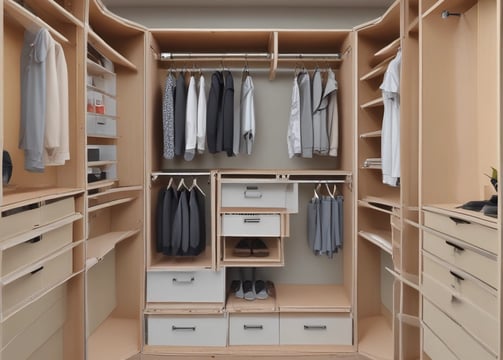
x,y
155,175
169,56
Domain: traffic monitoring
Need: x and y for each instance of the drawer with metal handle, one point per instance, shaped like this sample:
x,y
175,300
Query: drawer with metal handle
x,y
254,329
251,225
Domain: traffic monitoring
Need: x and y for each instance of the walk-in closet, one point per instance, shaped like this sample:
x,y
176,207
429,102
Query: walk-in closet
x,y
313,182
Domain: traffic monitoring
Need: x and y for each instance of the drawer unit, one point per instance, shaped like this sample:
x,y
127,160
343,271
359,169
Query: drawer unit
x,y
20,321
315,329
36,334
458,254
187,330
476,321
101,125
205,286
261,195
462,283
35,249
52,349
434,347
251,225
28,217
49,273
254,329
453,335
471,232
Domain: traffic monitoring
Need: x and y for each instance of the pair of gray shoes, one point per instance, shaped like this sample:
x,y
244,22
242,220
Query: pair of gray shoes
x,y
251,290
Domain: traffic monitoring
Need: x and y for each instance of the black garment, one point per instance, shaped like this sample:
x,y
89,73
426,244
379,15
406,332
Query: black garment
x,y
228,113
194,228
180,114
180,231
159,218
214,125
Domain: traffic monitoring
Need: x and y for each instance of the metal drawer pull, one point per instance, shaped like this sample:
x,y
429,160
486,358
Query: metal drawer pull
x,y
457,276
455,246
253,327
37,270
315,327
34,240
183,328
100,122
188,281
252,192
251,220
455,299
459,221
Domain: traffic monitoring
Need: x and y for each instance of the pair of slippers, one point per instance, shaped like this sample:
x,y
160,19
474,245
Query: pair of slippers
x,y
251,290
251,247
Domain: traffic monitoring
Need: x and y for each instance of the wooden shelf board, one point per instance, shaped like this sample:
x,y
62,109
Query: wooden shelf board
x,y
27,19
99,246
97,69
236,305
388,50
101,163
53,9
390,202
312,298
115,338
409,319
103,92
371,134
110,204
410,280
380,238
99,136
104,116
160,262
101,184
374,73
372,167
373,103
414,25
116,190
185,308
375,338
14,197
109,52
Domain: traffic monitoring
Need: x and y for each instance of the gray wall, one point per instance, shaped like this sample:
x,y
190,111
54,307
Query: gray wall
x,y
249,17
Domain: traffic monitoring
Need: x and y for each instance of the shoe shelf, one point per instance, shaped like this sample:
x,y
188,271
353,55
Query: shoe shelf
x,y
271,255
312,298
177,308
160,262
237,305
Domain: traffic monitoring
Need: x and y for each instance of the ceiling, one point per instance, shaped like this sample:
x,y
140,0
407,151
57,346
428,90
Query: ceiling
x,y
248,3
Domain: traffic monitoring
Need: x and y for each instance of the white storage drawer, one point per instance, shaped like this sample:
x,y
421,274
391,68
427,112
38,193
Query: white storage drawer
x,y
483,326
453,335
476,234
458,254
187,330
48,274
462,283
26,343
52,349
261,195
434,347
315,329
251,225
186,286
254,329
35,249
28,217
101,125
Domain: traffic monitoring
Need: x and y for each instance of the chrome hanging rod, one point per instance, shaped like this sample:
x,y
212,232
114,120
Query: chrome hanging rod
x,y
155,175
167,56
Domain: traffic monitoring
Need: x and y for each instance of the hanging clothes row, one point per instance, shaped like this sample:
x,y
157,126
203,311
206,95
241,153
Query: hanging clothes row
x,y
181,219
192,120
390,135
44,126
313,126
325,222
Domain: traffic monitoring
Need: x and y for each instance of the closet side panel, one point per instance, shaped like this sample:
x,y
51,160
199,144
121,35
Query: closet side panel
x,y
2,115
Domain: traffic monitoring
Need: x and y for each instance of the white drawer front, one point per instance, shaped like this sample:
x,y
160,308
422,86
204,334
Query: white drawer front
x,y
48,274
100,125
36,334
478,322
35,249
261,195
434,347
254,329
481,236
463,284
190,286
52,349
453,335
187,330
251,225
315,329
480,266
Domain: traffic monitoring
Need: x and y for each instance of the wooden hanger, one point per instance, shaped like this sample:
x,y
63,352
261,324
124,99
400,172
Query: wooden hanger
x,y
194,185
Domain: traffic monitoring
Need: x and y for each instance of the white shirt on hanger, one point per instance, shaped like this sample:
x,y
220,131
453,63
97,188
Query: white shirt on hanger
x,y
201,116
247,114
390,138
293,135
191,121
